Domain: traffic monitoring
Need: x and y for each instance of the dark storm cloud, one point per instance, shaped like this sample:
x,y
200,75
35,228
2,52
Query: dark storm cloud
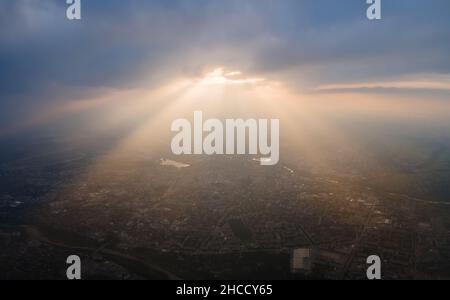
x,y
127,43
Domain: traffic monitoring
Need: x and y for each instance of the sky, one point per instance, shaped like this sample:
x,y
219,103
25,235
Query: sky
x,y
318,47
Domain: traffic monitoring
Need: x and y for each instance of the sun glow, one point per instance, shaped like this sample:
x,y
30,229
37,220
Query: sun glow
x,y
308,125
220,77
307,120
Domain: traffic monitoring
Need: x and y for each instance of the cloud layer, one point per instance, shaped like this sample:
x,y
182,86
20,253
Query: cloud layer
x,y
121,44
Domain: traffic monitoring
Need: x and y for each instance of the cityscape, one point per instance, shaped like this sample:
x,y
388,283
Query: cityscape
x,y
359,113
